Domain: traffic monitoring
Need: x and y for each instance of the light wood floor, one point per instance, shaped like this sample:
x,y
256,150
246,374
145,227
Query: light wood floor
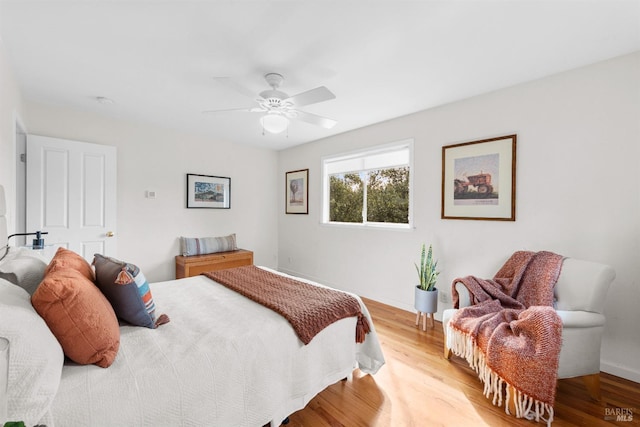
x,y
418,387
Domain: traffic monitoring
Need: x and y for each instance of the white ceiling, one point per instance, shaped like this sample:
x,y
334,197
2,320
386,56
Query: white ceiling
x,y
160,61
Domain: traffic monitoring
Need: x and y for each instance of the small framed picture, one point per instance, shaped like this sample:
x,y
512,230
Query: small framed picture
x,y
479,179
297,192
205,191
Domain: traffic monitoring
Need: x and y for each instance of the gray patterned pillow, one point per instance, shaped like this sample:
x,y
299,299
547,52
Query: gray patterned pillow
x,y
128,291
207,245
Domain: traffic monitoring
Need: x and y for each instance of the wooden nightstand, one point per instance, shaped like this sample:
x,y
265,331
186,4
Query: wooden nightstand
x,y
187,266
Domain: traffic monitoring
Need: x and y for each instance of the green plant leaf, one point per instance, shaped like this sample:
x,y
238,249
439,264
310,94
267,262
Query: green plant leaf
x,y
427,270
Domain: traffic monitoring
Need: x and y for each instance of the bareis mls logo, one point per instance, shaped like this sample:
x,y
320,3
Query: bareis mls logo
x,y
618,414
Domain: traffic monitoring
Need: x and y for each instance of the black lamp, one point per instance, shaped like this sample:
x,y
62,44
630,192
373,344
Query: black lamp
x,y
38,242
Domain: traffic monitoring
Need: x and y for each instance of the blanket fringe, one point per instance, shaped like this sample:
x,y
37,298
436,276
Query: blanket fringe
x,y
527,407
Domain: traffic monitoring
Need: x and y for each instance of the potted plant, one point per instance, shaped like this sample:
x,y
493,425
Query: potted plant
x,y
426,293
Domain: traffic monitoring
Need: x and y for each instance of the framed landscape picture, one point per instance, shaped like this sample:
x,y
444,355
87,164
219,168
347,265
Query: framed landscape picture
x,y
205,191
297,192
479,179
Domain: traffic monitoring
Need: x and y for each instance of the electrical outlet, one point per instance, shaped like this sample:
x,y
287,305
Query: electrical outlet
x,y
444,297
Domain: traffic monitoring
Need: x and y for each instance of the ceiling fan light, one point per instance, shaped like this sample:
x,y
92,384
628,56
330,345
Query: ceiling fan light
x,y
274,123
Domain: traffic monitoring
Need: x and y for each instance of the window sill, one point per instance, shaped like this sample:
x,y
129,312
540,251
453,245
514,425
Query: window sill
x,y
370,226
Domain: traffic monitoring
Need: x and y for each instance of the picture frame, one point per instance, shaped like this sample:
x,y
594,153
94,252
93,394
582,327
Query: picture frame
x,y
479,179
297,192
209,192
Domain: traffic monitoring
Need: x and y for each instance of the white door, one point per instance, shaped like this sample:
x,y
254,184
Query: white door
x,y
71,194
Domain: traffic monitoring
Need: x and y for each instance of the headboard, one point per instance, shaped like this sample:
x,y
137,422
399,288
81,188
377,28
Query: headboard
x,y
3,218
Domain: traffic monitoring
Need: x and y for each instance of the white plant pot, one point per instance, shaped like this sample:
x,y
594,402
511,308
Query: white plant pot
x,y
426,301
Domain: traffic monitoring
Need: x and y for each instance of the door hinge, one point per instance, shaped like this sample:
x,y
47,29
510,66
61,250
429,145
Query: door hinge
x,y
23,157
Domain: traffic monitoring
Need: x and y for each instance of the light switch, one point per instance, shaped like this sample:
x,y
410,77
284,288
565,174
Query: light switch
x,y
151,194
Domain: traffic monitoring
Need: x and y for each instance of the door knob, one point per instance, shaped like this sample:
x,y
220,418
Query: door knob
x,y
109,233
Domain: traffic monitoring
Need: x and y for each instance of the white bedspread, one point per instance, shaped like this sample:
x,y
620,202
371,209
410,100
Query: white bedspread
x,y
223,360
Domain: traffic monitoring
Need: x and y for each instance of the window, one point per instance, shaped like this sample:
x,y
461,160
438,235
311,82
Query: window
x,y
371,187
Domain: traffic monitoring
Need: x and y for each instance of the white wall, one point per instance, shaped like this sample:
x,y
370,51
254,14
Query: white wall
x,y
578,161
151,158
577,195
11,109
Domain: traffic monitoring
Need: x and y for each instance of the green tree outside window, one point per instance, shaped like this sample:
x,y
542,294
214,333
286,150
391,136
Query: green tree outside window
x,y
387,195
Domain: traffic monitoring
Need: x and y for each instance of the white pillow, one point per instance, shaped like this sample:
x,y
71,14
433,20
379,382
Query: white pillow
x,y
35,356
22,268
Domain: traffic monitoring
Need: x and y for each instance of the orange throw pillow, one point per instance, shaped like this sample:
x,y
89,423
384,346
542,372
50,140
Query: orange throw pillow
x,y
79,316
65,258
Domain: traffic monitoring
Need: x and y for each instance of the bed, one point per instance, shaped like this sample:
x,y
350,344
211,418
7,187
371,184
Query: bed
x,y
222,360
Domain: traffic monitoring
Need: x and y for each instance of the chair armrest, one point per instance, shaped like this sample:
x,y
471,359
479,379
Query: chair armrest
x,y
570,319
464,297
580,319
583,285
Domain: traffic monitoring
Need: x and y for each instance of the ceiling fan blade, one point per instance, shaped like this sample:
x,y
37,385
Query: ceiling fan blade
x,y
314,119
232,84
312,96
229,110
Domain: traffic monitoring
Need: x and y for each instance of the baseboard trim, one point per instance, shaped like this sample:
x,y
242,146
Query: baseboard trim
x,y
620,371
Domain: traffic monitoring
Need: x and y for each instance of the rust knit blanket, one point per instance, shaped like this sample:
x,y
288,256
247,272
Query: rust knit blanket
x,y
308,308
511,334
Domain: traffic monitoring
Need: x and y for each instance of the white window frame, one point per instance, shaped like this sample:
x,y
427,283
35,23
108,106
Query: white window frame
x,y
328,161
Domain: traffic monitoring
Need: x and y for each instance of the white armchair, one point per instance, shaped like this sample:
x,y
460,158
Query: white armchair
x,y
580,294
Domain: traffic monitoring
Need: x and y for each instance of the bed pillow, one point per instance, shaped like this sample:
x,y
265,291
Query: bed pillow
x,y
23,269
207,245
65,258
79,316
128,291
35,356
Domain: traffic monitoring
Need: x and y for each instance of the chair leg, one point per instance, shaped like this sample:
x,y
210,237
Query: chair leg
x,y
592,382
447,350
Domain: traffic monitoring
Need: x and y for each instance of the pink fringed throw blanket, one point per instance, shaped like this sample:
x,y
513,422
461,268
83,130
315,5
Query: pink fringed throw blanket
x,y
511,334
308,308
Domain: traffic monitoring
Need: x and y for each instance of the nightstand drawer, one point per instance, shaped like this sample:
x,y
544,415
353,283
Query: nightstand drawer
x,y
187,266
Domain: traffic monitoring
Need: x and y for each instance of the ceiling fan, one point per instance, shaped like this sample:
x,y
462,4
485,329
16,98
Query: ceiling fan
x,y
278,107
